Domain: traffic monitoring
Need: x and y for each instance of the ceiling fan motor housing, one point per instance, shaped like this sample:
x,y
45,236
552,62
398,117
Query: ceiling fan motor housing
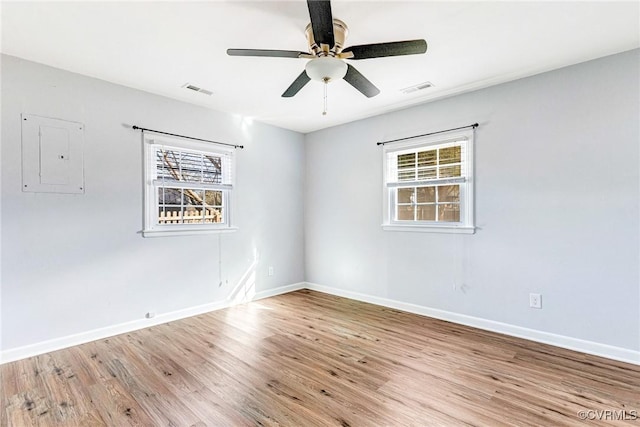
x,y
340,32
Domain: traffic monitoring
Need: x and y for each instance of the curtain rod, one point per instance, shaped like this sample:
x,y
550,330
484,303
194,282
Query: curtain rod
x,y
188,137
475,125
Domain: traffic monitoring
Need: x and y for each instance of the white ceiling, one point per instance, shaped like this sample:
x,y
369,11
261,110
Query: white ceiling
x,y
160,46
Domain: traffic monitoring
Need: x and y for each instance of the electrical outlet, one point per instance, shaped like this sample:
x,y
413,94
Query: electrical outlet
x,y
270,271
535,300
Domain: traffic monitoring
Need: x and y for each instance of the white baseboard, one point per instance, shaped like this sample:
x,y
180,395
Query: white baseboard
x,y
278,291
589,347
18,353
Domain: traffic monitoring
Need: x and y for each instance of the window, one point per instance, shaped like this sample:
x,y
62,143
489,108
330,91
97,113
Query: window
x,y
188,187
429,184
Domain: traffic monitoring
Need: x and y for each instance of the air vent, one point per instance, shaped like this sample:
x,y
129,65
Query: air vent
x,y
415,88
197,89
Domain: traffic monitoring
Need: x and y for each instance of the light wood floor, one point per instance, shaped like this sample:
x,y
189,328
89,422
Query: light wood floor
x,y
310,359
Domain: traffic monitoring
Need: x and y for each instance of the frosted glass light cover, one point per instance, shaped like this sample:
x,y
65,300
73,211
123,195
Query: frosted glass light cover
x,y
326,67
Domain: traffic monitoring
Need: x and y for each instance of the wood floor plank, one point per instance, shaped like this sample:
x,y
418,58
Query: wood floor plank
x,y
117,406
311,359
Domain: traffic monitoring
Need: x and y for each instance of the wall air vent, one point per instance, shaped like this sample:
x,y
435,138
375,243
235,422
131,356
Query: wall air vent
x,y
415,88
197,89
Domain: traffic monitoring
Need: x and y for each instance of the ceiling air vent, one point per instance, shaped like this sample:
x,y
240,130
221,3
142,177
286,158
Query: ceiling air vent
x,y
197,89
415,88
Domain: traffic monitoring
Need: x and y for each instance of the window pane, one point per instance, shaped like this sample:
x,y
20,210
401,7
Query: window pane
x,y
169,196
427,158
213,198
426,173
191,167
426,212
212,170
405,213
449,213
449,193
169,215
426,194
167,164
406,195
450,155
406,161
407,167
450,171
193,197
213,215
193,215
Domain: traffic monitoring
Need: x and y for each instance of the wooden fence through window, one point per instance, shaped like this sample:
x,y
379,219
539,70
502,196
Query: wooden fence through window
x,y
190,217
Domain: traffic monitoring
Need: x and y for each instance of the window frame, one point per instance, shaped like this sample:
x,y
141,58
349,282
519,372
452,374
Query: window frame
x,y
152,227
466,224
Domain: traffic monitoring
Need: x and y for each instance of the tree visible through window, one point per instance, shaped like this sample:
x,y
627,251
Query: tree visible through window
x,y
188,187
188,205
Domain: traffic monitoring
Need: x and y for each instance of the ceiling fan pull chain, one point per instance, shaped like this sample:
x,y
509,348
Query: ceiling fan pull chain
x,y
324,111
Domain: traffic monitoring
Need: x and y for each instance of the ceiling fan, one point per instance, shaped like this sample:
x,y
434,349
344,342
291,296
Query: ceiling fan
x,y
326,37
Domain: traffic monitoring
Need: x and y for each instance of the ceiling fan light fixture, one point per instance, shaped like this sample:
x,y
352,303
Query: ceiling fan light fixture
x,y
326,38
326,69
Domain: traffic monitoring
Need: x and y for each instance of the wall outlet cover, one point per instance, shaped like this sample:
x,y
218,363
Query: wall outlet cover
x,y
535,301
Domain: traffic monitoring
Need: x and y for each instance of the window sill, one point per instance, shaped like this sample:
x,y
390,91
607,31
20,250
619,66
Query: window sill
x,y
192,232
430,228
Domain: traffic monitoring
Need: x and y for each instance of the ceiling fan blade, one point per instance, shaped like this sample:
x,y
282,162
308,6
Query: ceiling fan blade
x,y
321,22
377,50
266,52
360,82
297,84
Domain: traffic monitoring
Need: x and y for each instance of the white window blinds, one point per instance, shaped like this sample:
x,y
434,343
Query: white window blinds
x,y
185,168
438,165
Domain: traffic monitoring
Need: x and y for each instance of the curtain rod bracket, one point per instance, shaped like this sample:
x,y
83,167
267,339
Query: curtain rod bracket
x,y
475,125
134,127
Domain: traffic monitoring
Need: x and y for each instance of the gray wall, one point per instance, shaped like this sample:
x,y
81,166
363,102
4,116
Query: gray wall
x,y
74,263
557,195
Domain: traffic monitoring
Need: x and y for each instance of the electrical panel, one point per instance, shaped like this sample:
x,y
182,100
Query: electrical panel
x,y
52,155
